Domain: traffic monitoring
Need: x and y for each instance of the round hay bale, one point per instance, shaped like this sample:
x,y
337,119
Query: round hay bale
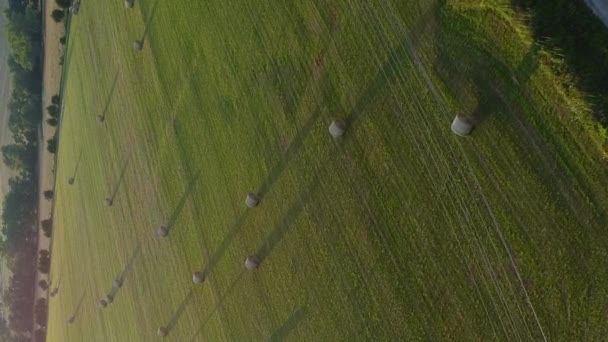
x,y
103,304
252,200
462,126
138,45
109,299
163,231
198,277
100,118
337,128
129,3
162,332
252,262
107,202
117,283
71,180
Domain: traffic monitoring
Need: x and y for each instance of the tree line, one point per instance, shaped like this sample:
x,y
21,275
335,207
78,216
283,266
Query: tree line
x,y
18,243
580,39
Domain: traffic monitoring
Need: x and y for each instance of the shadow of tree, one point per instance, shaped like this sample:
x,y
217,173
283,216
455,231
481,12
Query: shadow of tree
x,y
291,323
120,179
286,223
190,187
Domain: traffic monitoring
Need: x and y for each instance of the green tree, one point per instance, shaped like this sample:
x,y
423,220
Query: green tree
x,y
48,194
53,110
47,227
56,100
52,122
51,145
17,157
57,15
24,37
44,264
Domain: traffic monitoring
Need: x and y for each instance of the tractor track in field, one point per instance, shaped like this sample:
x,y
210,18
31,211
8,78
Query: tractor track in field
x,y
476,185
472,182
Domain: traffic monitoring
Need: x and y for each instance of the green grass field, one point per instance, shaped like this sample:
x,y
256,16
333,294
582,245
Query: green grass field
x,y
398,231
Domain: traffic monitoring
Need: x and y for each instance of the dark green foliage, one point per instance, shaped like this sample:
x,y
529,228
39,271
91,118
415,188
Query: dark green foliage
x,y
62,40
52,122
24,118
57,15
43,284
18,213
47,227
24,37
53,110
573,31
51,145
44,263
48,194
56,100
63,3
18,157
41,312
18,240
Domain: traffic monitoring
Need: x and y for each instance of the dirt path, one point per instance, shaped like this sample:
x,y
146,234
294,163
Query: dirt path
x,y
53,50
600,8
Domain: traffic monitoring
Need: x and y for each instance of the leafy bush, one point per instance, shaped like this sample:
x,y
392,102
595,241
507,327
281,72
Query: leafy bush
x,y
47,227
56,99
52,122
41,312
44,264
57,15
51,145
53,110
48,194
43,284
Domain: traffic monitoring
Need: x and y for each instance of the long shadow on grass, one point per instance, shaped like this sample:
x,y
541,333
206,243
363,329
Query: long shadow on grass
x,y
77,310
110,96
528,64
228,238
390,70
283,331
219,305
55,291
180,310
120,179
286,223
127,270
376,88
182,201
149,19
77,165
290,153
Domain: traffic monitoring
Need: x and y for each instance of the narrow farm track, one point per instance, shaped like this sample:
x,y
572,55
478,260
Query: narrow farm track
x,y
399,230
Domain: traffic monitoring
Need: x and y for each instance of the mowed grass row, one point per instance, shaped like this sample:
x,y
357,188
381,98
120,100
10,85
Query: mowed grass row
x,y
398,231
